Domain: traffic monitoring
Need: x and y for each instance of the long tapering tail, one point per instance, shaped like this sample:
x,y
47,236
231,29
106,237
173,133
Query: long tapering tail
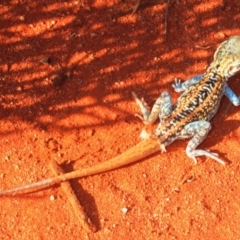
x,y
140,151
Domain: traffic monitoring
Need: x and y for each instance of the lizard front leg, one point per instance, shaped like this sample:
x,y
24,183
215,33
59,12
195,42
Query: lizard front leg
x,y
235,100
198,131
180,86
162,108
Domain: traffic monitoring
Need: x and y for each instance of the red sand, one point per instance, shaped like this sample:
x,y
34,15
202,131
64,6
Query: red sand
x,y
89,118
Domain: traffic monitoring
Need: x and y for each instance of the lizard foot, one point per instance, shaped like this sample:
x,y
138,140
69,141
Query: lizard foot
x,y
212,155
143,107
177,85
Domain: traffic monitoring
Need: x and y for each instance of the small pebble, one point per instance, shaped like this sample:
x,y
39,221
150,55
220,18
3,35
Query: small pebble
x,y
45,60
19,88
57,79
90,132
52,198
2,175
144,175
124,210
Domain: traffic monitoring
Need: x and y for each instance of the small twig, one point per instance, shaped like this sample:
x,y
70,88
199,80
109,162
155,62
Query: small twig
x,y
166,19
78,209
136,6
70,72
45,60
223,5
202,47
188,179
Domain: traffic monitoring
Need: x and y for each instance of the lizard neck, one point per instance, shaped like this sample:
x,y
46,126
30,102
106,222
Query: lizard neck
x,y
216,72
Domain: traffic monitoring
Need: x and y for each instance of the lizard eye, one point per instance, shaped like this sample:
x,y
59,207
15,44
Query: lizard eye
x,y
233,69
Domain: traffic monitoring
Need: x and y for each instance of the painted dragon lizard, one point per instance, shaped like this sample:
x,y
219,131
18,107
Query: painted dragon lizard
x,y
188,118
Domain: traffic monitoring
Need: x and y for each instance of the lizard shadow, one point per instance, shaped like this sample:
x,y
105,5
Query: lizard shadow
x,y
217,135
214,136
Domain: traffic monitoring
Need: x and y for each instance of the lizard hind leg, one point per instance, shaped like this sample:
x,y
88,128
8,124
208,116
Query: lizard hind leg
x,y
162,108
198,131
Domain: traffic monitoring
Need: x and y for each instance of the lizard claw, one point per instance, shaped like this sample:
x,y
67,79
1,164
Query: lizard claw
x,y
144,134
143,107
140,102
139,116
163,148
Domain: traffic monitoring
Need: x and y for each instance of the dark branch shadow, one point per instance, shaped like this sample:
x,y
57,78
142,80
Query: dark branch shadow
x,y
104,69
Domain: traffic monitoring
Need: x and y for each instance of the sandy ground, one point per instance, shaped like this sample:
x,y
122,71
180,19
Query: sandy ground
x,y
88,118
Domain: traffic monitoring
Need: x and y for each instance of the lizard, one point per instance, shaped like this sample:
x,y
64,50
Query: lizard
x,y
189,117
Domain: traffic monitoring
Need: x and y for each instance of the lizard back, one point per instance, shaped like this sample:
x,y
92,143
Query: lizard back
x,y
201,100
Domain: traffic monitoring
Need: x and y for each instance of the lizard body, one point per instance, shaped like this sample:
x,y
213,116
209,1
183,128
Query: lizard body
x,y
188,118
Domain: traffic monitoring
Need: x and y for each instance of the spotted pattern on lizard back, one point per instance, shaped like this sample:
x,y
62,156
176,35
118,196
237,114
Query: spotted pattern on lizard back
x,y
199,102
188,109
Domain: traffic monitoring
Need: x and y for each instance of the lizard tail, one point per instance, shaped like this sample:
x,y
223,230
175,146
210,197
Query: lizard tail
x,y
41,184
140,151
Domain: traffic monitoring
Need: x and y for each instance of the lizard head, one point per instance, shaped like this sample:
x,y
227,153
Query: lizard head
x,y
227,57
